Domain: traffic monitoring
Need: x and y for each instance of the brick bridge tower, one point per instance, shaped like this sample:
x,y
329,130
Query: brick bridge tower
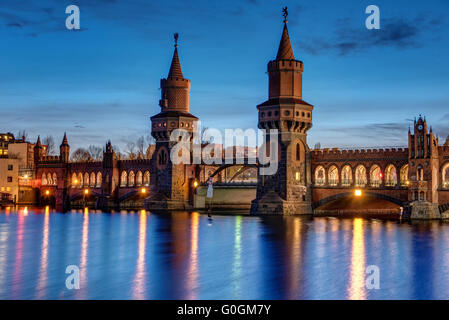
x,y
423,163
288,191
171,180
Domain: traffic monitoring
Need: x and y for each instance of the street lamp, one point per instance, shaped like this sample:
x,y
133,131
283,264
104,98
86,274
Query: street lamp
x,y
358,193
195,184
143,190
86,191
47,192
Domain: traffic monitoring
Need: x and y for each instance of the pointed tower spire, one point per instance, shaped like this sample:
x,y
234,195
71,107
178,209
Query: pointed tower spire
x,y
175,88
285,51
64,140
175,68
38,142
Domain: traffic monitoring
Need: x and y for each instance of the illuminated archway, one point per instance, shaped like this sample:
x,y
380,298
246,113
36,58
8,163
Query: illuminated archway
x,y
74,179
346,176
86,179
146,178
333,176
123,179
404,175
320,176
99,179
360,176
92,179
55,179
139,178
131,179
445,176
391,177
375,176
80,179
44,179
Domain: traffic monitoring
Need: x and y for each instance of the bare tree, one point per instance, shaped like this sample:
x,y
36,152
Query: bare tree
x,y
95,152
150,139
49,141
131,150
141,147
81,155
22,134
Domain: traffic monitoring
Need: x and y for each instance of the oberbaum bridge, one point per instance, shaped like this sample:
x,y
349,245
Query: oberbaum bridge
x,y
414,180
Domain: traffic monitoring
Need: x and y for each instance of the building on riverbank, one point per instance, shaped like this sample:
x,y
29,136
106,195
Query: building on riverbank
x,y
306,180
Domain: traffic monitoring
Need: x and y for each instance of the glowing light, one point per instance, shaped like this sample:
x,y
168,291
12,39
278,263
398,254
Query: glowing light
x,y
47,192
195,183
143,190
139,279
358,193
356,289
86,191
25,176
76,181
298,176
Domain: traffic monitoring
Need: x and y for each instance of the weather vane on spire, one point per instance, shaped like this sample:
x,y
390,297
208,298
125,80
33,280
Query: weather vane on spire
x,y
176,35
285,13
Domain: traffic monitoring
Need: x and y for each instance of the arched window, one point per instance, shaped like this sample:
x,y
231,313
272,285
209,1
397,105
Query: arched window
x,y
320,176
346,176
86,179
44,179
404,175
74,180
55,179
49,180
92,179
123,179
445,176
420,173
298,152
360,176
139,178
333,176
80,180
131,179
146,178
99,179
375,176
391,177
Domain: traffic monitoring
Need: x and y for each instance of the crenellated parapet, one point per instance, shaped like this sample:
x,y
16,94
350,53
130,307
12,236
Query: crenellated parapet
x,y
336,154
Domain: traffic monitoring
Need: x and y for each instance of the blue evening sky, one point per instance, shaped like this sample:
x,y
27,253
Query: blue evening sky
x,y
102,82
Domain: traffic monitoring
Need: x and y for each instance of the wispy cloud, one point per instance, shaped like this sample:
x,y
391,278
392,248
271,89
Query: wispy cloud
x,y
398,33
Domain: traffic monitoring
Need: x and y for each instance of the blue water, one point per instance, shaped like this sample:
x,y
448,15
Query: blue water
x,y
188,256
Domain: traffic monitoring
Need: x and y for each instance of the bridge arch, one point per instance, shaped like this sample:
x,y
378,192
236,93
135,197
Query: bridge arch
x,y
338,196
245,167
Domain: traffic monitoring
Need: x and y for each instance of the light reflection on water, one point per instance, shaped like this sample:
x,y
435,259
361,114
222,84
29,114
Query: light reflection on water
x,y
143,255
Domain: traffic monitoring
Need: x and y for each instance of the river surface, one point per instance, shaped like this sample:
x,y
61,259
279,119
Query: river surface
x,y
180,255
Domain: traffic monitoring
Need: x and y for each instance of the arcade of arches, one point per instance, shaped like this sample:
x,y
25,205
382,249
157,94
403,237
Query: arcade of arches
x,y
359,174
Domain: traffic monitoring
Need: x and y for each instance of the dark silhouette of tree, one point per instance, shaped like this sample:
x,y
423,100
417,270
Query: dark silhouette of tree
x,y
49,141
96,152
80,155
